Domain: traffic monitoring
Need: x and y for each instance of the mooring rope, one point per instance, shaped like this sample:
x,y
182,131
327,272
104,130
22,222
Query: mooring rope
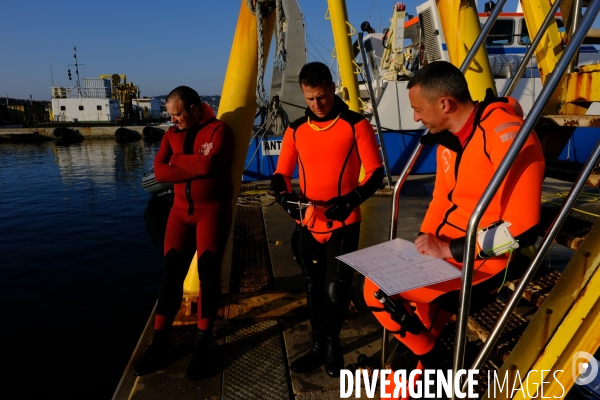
x,y
279,61
262,8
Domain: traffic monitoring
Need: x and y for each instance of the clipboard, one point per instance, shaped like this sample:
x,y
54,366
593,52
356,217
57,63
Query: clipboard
x,y
396,266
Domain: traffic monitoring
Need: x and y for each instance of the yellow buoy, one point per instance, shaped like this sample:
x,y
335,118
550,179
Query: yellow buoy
x,y
238,110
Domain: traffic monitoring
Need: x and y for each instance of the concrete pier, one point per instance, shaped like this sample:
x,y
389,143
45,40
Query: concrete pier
x,y
263,327
47,133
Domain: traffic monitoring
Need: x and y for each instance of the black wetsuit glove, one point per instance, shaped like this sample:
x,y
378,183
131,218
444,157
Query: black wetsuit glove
x,y
289,202
343,206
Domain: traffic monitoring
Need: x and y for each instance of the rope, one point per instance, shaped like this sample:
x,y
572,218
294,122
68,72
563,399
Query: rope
x,y
371,10
279,61
260,8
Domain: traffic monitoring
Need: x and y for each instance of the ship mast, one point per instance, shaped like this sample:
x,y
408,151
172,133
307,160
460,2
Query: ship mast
x,y
76,71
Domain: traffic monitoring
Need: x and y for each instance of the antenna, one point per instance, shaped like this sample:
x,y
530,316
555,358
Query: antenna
x,y
76,71
76,65
50,63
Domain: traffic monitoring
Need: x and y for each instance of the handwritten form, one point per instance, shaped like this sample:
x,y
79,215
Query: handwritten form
x,y
396,266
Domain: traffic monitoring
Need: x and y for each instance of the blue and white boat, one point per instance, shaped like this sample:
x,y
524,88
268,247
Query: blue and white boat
x,y
419,40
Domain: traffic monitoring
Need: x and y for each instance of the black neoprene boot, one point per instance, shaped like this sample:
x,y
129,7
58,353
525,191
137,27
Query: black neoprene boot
x,y
337,300
439,357
199,362
157,355
314,358
314,302
334,360
403,359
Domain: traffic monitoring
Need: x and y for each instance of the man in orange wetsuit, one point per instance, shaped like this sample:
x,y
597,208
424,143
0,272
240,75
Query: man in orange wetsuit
x,y
329,144
196,155
472,140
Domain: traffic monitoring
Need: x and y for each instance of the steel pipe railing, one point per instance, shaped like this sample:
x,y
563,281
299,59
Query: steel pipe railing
x,y
536,41
415,154
363,54
537,259
575,20
509,158
413,157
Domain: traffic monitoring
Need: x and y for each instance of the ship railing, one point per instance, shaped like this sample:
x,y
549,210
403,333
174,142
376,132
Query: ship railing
x,y
531,49
524,132
518,143
367,75
419,147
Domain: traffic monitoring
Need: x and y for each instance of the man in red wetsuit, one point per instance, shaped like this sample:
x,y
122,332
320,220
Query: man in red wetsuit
x,y
472,139
328,144
196,155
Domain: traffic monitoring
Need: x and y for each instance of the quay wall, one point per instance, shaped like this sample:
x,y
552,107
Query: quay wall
x,y
89,132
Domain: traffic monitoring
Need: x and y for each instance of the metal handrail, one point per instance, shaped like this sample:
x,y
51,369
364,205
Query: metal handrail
x,y
502,171
536,41
413,157
363,54
575,20
537,259
415,154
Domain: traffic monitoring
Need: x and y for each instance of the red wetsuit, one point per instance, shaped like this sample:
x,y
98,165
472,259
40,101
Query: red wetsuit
x,y
198,161
463,173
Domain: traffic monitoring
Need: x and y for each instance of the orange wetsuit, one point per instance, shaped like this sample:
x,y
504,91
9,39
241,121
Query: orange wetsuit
x,y
463,173
329,152
329,162
198,161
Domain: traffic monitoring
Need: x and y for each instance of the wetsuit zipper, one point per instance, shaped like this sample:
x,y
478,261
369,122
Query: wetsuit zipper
x,y
188,195
188,148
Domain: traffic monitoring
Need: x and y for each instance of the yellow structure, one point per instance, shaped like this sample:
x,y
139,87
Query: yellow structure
x,y
342,36
460,23
567,322
238,108
124,92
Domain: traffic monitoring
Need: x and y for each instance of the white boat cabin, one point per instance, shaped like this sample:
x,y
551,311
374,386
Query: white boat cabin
x,y
91,103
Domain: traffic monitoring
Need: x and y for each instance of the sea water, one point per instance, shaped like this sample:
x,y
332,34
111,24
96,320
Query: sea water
x,y
80,265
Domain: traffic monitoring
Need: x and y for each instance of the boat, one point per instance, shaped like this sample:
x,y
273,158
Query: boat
x,y
152,186
108,98
564,320
394,55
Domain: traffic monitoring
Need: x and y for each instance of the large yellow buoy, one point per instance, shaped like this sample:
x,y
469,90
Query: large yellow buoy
x,y
460,23
238,110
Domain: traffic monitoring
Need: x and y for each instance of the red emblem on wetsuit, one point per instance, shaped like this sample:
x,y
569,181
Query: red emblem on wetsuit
x,y
206,148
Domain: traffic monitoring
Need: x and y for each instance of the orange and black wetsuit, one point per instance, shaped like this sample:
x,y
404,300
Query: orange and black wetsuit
x,y
463,173
198,161
329,152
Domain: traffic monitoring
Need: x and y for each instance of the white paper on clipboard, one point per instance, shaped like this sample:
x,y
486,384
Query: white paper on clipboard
x,y
396,266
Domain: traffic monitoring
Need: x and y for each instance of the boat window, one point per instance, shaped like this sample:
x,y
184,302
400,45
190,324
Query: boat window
x,y
525,39
98,108
501,33
63,108
81,108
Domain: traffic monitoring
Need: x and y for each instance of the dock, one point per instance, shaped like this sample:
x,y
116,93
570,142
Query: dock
x,y
263,324
41,132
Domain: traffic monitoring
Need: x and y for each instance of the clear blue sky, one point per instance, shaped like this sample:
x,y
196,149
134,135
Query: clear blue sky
x,y
158,45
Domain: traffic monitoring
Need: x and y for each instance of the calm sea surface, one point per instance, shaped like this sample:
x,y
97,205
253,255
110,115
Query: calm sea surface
x,y
79,269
